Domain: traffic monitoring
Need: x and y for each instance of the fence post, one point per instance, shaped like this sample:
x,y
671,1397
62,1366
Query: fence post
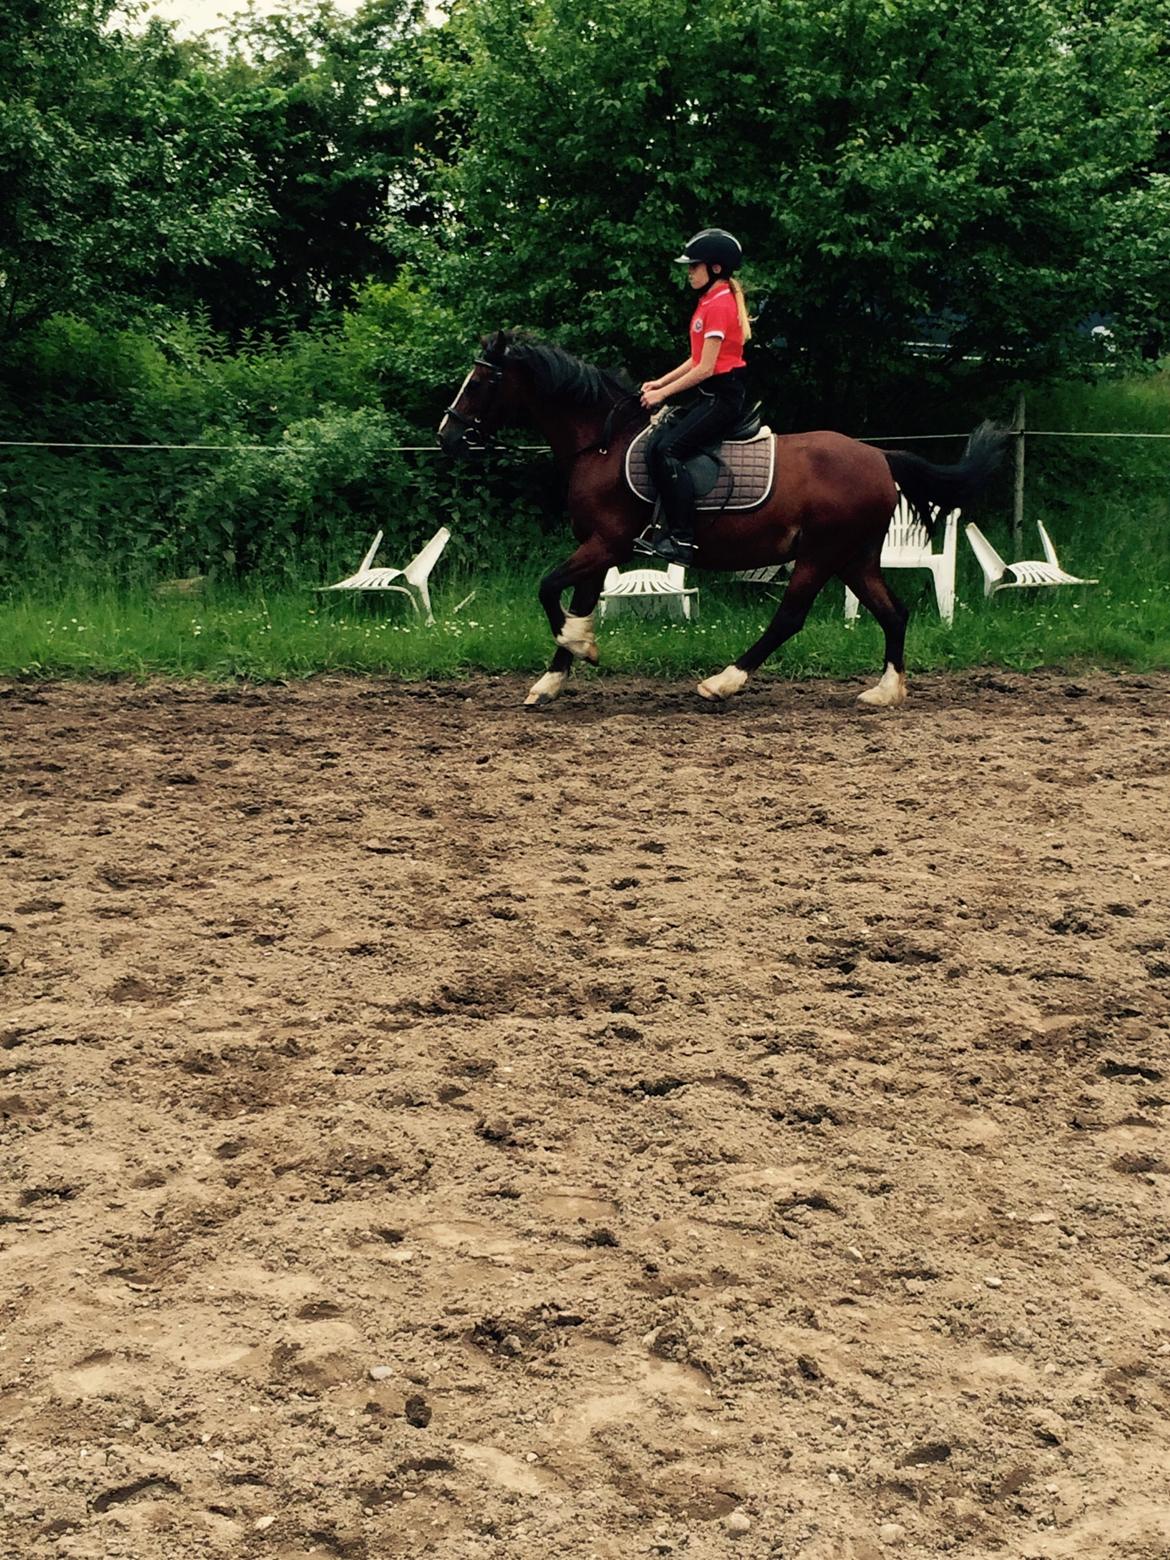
x,y
1018,461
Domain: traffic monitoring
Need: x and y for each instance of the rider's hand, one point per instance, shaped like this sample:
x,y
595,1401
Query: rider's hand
x,y
652,398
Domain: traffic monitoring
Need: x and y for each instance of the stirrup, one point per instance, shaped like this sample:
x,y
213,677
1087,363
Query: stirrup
x,y
651,532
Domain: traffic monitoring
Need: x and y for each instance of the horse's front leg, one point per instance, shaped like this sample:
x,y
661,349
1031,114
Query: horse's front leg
x,y
585,573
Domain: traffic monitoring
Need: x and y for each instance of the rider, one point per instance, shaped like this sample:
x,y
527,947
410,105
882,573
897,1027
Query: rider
x,y
719,328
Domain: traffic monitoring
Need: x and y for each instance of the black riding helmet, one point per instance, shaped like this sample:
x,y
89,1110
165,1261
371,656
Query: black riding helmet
x,y
713,246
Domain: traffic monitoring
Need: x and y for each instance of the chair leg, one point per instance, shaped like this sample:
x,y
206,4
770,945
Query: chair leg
x,y
944,595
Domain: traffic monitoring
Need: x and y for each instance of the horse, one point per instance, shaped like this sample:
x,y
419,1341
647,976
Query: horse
x,y
827,513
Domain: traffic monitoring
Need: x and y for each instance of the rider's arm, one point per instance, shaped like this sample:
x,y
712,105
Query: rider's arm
x,y
668,379
688,375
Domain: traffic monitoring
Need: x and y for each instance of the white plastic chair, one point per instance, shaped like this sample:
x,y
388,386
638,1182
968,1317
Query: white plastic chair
x,y
653,588
908,546
1028,574
766,576
415,575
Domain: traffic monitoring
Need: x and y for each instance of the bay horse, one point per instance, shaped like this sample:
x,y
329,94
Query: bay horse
x,y
827,513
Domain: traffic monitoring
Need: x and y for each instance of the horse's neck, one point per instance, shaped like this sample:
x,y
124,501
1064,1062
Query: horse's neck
x,y
568,429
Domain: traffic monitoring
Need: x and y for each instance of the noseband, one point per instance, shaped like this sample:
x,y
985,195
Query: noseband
x,y
476,439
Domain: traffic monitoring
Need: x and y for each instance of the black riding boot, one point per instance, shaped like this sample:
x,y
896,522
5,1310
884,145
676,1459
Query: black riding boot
x,y
677,544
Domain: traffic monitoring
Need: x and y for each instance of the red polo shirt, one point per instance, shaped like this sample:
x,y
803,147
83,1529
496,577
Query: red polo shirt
x,y
717,315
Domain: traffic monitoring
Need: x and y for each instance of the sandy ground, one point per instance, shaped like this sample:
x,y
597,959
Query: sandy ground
x,y
433,1128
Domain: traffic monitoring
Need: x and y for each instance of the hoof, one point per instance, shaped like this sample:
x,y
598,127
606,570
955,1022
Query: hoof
x,y
725,684
577,638
545,689
889,691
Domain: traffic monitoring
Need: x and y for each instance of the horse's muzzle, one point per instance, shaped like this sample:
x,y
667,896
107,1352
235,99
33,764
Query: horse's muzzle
x,y
460,441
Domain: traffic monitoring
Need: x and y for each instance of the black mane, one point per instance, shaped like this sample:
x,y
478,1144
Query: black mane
x,y
558,373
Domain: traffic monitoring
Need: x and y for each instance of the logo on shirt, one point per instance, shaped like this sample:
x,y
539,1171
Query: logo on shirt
x,y
697,327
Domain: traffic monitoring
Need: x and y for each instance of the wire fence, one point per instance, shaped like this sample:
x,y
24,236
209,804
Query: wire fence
x,y
434,449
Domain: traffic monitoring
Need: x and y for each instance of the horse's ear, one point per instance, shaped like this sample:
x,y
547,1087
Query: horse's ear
x,y
496,345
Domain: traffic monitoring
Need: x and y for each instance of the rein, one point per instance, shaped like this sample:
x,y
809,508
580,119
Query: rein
x,y
602,448
479,440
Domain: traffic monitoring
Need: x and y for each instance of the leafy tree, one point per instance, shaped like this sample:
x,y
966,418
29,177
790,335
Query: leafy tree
x,y
328,122
262,177
117,162
977,172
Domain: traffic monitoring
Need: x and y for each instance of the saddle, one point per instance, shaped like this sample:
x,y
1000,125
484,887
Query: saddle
x,y
735,474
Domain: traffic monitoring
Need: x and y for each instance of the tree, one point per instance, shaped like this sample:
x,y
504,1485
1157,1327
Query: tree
x,y
117,162
261,178
329,125
962,170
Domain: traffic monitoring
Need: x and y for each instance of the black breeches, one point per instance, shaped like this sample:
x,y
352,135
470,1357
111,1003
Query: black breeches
x,y
712,414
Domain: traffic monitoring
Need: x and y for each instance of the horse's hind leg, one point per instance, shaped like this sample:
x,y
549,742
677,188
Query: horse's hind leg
x,y
803,588
871,590
573,631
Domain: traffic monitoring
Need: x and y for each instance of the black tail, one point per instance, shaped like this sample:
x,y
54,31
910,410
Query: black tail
x,y
948,487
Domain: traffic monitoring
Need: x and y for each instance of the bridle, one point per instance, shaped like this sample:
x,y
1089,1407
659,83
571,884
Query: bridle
x,y
476,439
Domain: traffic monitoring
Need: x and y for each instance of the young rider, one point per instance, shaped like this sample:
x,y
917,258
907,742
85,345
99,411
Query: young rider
x,y
715,367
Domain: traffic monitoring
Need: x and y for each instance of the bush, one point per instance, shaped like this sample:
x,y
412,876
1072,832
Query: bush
x,y
335,403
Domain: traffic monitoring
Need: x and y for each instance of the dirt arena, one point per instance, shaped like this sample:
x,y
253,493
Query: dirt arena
x,y
429,1127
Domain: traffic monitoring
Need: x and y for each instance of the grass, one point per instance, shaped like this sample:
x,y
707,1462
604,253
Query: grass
x,y
233,633
1107,504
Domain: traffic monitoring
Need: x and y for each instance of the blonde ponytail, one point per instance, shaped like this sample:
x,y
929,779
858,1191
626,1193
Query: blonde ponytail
x,y
741,305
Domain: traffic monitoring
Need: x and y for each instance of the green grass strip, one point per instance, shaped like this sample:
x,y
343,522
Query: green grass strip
x,y
245,633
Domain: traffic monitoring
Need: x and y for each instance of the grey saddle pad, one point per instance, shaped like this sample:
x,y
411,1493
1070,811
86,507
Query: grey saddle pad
x,y
744,479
